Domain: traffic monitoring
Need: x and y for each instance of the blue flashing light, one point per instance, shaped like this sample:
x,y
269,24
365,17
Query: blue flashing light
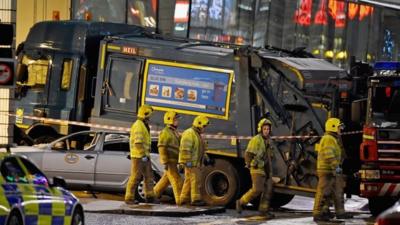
x,y
387,66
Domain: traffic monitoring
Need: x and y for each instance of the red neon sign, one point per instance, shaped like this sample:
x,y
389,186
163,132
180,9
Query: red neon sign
x,y
303,13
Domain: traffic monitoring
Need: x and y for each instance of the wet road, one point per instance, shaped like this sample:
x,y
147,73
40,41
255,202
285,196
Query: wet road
x,y
296,212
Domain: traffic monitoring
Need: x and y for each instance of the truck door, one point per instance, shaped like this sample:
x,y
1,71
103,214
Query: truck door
x,y
121,84
62,86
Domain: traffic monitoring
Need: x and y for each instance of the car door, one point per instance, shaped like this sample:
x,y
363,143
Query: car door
x,y
73,158
113,165
50,201
25,185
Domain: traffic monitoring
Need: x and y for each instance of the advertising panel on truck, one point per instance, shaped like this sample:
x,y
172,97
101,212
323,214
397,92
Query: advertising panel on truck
x,y
187,88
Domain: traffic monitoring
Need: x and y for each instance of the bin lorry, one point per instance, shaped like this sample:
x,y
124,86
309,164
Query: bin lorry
x,y
84,71
380,148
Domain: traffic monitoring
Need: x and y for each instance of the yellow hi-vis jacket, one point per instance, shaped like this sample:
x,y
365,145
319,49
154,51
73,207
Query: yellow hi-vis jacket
x,y
192,148
262,151
168,145
329,153
139,135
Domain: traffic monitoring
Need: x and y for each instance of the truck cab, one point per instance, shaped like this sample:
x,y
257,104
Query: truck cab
x,y
55,69
380,149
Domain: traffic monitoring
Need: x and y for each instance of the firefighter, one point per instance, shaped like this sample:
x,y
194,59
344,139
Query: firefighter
x,y
258,159
140,143
168,148
191,156
330,185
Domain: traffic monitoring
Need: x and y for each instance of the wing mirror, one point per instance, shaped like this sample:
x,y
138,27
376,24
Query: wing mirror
x,y
59,182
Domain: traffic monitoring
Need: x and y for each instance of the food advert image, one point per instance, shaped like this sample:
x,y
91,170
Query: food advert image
x,y
179,93
166,91
192,95
154,90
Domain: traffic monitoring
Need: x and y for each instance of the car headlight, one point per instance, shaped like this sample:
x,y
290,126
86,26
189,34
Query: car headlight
x,y
370,174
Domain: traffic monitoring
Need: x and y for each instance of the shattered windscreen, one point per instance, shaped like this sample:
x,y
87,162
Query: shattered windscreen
x,y
385,104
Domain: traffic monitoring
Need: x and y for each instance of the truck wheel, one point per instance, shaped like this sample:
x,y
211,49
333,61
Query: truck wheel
x,y
44,139
378,205
221,183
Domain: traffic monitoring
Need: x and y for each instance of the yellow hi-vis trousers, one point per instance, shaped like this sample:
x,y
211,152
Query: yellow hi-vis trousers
x,y
170,176
329,188
337,197
139,170
261,184
191,186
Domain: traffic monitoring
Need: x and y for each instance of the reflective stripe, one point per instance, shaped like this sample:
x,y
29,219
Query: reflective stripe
x,y
384,189
396,190
58,206
29,199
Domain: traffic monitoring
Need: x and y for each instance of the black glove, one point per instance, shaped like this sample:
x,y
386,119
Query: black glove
x,y
128,157
181,168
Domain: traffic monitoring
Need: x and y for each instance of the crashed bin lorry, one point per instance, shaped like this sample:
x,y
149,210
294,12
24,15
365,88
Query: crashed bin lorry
x,y
64,76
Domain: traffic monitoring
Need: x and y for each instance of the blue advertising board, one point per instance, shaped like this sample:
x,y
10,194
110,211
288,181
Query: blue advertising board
x,y
187,88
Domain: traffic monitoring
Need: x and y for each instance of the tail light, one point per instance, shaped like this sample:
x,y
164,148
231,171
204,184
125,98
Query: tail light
x,y
369,147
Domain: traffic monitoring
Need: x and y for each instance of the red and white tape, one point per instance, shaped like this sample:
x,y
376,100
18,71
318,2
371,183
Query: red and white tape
x,y
157,132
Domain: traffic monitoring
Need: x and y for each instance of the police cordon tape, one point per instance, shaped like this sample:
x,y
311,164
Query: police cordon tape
x,y
155,133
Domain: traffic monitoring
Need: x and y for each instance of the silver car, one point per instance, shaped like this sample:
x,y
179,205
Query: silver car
x,y
94,160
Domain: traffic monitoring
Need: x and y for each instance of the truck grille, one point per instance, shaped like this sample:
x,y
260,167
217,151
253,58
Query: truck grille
x,y
389,145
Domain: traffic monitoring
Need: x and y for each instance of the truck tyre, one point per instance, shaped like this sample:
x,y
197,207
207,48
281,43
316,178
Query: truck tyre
x,y
221,183
377,205
44,139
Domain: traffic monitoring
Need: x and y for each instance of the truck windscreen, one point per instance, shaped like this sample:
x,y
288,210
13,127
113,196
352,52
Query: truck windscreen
x,y
32,73
385,102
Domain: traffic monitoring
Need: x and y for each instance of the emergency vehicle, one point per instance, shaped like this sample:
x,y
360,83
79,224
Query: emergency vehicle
x,y
28,197
380,149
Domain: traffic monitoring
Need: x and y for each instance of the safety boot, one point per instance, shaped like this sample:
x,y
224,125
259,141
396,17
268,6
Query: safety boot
x,y
152,200
268,214
321,218
344,216
131,202
238,207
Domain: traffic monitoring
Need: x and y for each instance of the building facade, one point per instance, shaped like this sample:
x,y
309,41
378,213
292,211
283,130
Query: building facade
x,y
334,30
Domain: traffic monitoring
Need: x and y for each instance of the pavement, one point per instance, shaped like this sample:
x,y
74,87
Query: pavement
x,y
146,209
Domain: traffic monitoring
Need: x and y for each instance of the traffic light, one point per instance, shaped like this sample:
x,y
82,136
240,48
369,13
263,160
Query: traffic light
x,y
6,71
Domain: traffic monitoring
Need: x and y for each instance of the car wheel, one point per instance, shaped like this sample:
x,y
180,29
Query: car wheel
x,y
14,219
139,193
221,183
77,217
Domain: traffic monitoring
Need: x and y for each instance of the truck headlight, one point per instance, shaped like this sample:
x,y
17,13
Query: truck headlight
x,y
370,174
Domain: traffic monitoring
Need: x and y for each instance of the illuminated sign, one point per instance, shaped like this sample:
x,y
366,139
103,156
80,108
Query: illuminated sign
x,y
129,50
186,88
